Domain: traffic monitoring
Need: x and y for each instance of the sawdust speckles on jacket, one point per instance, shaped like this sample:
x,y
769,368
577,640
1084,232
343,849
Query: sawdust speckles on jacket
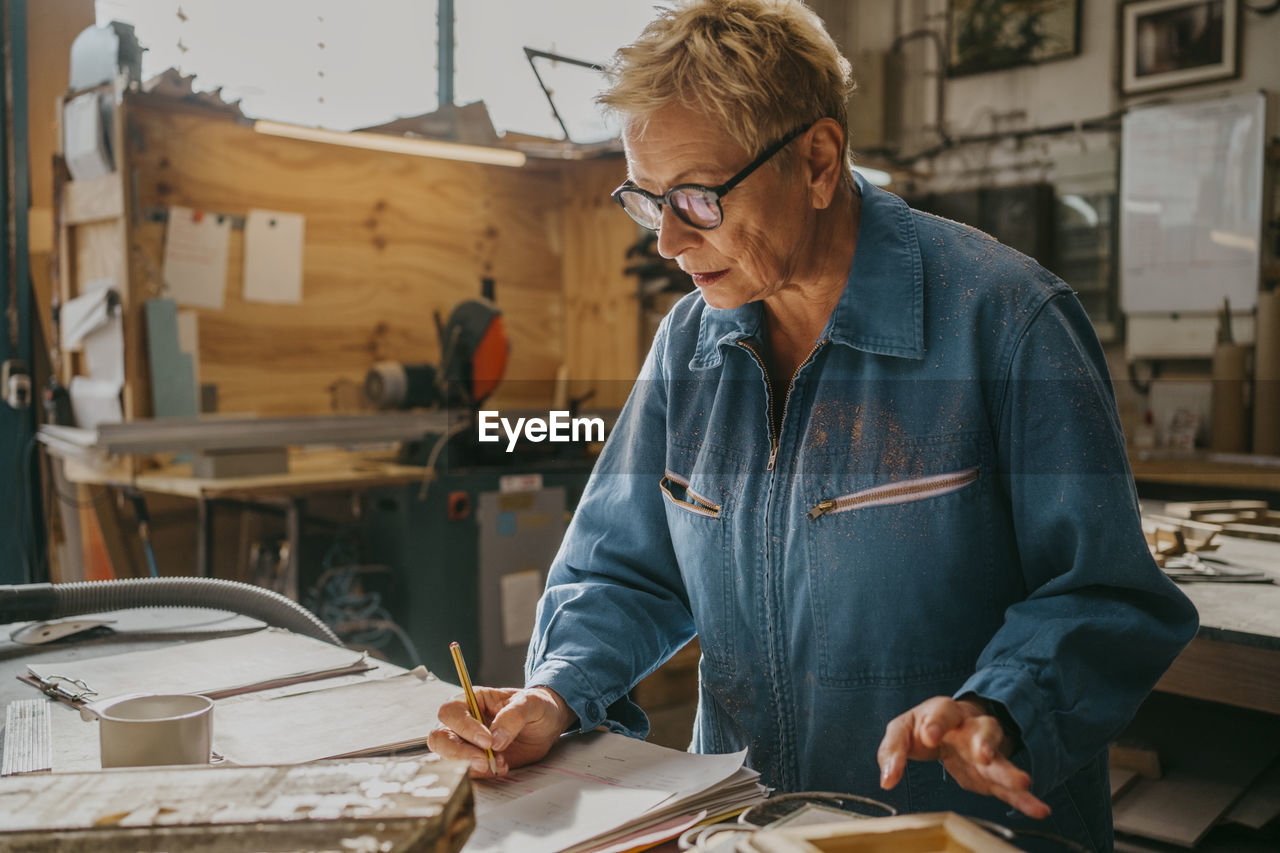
x,y
943,506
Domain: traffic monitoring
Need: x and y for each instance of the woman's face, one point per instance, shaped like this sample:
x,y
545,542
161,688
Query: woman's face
x,y
766,241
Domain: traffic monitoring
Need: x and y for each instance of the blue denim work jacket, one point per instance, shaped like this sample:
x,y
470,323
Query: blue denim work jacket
x,y
938,503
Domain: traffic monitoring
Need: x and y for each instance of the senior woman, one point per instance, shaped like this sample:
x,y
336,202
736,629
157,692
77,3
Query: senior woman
x,y
873,463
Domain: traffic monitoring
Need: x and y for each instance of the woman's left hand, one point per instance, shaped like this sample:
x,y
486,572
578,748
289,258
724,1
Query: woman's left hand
x,y
968,741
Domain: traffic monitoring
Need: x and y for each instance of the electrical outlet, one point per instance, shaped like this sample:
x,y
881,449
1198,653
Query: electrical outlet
x,y
15,383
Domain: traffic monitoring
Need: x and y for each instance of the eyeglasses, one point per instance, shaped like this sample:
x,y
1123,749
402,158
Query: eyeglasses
x,y
695,204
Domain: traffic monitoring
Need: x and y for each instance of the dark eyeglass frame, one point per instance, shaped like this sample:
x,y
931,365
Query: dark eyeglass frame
x,y
715,194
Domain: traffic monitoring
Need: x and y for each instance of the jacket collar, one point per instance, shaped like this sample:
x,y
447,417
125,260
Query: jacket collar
x,y
881,310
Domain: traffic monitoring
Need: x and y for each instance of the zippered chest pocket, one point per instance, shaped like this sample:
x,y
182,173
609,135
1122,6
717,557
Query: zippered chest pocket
x,y
681,494
900,573
698,524
917,489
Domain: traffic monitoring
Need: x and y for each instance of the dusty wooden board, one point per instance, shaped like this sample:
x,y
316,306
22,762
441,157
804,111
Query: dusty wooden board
x,y
1211,755
1247,676
414,803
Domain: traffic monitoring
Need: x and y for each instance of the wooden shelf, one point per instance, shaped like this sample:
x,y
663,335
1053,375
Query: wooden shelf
x,y
1206,468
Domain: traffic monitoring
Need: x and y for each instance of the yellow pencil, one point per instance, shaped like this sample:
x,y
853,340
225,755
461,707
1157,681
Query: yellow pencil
x,y
456,651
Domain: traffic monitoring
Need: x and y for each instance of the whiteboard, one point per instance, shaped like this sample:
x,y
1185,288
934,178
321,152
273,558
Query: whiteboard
x,y
1191,205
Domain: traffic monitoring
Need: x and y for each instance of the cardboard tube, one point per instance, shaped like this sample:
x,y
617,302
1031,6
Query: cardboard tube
x,y
1229,415
1266,376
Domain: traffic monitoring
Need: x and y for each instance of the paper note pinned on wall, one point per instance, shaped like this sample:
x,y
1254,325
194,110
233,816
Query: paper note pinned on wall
x,y
104,351
92,323
273,244
195,257
85,313
94,402
85,139
520,594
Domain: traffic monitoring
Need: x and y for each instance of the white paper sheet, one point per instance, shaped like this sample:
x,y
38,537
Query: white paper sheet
x,y
104,351
331,722
84,141
195,257
80,316
557,817
94,402
273,243
588,785
223,666
519,592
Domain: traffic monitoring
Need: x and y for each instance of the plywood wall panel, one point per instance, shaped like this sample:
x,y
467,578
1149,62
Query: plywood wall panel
x,y
390,239
602,320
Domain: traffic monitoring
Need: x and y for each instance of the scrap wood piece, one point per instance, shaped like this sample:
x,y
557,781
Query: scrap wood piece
x,y
930,831
1260,805
1210,756
1122,779
1197,510
1170,535
1137,756
1252,531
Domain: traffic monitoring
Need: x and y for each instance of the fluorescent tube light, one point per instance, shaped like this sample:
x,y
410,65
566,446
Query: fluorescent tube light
x,y
396,144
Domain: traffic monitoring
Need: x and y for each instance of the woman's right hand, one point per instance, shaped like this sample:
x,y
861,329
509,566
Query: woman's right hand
x,y
526,723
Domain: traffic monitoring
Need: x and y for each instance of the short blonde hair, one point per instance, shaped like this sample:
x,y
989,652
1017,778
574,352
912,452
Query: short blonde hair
x,y
761,68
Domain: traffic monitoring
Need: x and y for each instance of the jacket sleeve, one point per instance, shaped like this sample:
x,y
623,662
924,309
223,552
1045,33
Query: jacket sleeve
x,y
1100,622
615,606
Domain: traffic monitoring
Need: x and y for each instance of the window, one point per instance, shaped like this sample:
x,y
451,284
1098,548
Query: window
x,y
329,63
343,65
491,64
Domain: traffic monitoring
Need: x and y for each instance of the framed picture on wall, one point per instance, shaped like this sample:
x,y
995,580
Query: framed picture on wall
x,y
987,35
1167,43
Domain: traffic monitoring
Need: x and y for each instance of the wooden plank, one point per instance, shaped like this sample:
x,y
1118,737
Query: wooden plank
x,y
1261,803
1234,471
601,305
940,831
1122,779
419,803
1245,676
1211,756
93,199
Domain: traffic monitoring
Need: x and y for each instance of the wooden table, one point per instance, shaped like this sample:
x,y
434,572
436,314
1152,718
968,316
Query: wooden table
x,y
1235,657
310,472
407,824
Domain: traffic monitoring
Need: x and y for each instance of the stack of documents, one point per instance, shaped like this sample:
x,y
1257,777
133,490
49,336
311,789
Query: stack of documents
x,y
603,792
374,717
216,668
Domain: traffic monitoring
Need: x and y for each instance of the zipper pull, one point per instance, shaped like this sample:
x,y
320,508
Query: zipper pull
x,y
773,457
821,509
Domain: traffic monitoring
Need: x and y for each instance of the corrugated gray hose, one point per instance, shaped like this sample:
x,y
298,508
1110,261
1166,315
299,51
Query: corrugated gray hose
x,y
29,602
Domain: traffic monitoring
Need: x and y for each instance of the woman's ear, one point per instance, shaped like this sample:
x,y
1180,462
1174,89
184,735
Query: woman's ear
x,y
824,163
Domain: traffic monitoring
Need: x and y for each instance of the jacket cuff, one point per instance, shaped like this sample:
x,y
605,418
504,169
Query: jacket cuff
x,y
1017,692
619,715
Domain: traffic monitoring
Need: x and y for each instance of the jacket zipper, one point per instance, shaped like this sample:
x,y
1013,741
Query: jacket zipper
x,y
775,435
695,503
895,493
